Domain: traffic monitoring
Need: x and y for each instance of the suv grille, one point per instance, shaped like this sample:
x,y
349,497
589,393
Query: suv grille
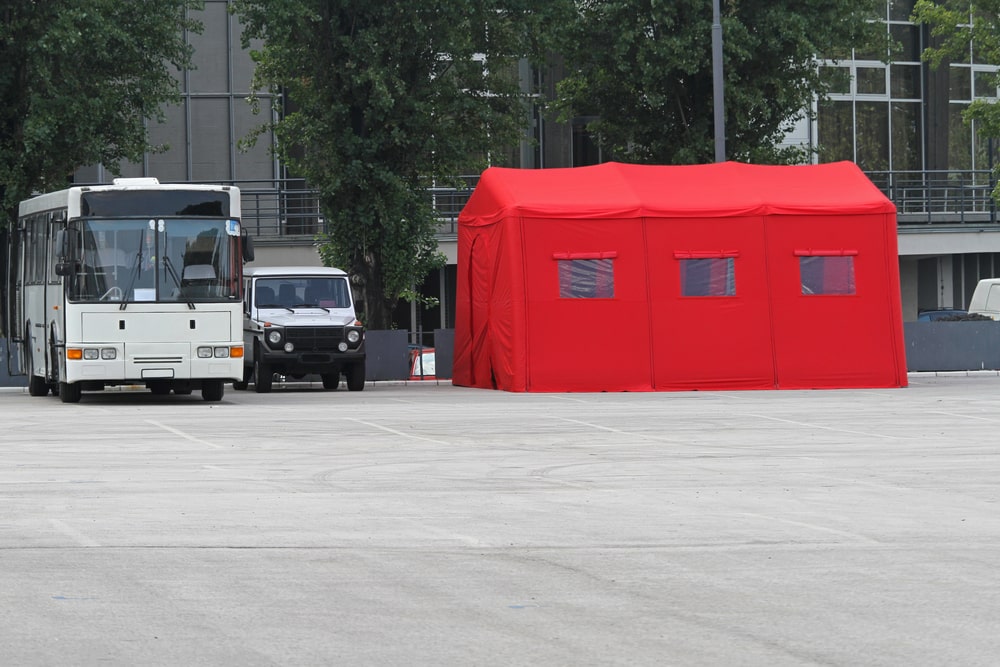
x,y
315,338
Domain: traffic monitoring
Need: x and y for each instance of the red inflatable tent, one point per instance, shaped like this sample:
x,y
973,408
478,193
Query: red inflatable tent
x,y
622,277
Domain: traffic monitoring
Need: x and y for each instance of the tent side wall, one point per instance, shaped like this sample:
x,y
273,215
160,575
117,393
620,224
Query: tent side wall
x,y
709,303
587,304
834,323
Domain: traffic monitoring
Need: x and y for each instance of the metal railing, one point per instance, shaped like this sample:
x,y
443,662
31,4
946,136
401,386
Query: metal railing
x,y
287,209
939,197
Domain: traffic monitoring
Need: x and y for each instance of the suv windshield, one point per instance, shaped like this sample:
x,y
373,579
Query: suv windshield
x,y
303,292
170,260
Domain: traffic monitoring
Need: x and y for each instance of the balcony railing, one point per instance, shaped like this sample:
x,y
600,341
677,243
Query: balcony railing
x,y
286,209
939,197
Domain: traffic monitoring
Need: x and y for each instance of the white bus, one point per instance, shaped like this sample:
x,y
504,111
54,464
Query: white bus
x,y
134,283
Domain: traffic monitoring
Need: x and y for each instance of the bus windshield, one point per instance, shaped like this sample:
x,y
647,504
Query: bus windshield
x,y
167,260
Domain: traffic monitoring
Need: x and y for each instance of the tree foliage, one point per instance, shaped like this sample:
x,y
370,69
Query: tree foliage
x,y
643,68
382,99
78,80
956,26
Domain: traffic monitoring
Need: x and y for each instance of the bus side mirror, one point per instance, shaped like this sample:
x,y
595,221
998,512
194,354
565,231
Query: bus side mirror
x,y
247,241
60,245
66,268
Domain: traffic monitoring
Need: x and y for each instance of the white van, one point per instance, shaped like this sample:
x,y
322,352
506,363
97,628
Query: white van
x,y
299,321
986,299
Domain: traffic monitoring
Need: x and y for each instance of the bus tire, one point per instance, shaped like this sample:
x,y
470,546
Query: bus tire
x,y
213,390
240,385
37,386
356,377
70,392
159,387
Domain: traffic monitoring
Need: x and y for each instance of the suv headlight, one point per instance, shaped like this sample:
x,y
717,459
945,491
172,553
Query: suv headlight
x,y
274,337
353,336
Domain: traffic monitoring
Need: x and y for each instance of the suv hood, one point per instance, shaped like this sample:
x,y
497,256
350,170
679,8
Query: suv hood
x,y
305,317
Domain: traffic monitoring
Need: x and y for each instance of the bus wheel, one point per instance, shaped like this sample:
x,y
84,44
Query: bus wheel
x,y
159,387
213,390
245,382
37,386
69,392
356,377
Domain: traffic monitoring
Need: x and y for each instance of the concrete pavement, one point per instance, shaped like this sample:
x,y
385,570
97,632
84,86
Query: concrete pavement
x,y
427,524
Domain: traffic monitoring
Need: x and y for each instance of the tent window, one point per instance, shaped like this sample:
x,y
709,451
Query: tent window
x,y
825,274
586,278
712,276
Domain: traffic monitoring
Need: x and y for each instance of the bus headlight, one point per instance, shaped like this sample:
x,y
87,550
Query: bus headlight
x,y
204,353
222,353
91,353
109,353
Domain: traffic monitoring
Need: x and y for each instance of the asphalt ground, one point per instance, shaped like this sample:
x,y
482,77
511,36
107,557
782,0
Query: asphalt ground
x,y
420,523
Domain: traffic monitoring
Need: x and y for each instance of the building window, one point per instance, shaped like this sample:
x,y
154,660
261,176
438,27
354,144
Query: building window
x,y
827,274
586,275
709,276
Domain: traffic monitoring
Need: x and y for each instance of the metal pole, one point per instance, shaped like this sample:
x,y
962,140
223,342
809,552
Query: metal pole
x,y
718,101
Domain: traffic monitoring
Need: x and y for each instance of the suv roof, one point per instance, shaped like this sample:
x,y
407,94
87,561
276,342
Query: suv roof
x,y
262,271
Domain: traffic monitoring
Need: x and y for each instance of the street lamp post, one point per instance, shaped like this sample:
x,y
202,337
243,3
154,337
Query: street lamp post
x,y
718,102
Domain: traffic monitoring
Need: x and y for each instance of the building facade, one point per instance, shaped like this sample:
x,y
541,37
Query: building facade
x,y
900,122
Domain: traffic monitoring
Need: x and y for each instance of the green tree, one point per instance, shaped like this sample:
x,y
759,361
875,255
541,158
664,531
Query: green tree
x,y
382,99
643,69
78,80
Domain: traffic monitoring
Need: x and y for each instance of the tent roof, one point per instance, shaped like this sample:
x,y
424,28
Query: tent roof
x,y
616,190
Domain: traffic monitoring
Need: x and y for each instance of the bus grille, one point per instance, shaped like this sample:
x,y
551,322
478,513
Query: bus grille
x,y
315,338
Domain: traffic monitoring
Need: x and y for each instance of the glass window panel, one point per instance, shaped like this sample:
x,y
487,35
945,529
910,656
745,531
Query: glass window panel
x,y
838,78
907,136
586,279
835,131
907,38
871,80
983,159
959,138
960,83
872,122
985,84
900,10
714,276
827,275
904,81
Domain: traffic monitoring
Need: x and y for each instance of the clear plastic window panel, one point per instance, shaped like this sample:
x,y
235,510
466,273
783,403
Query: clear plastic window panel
x,y
822,274
713,276
586,279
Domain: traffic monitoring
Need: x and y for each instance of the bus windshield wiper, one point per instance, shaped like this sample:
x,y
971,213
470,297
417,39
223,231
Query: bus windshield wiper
x,y
135,276
177,281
